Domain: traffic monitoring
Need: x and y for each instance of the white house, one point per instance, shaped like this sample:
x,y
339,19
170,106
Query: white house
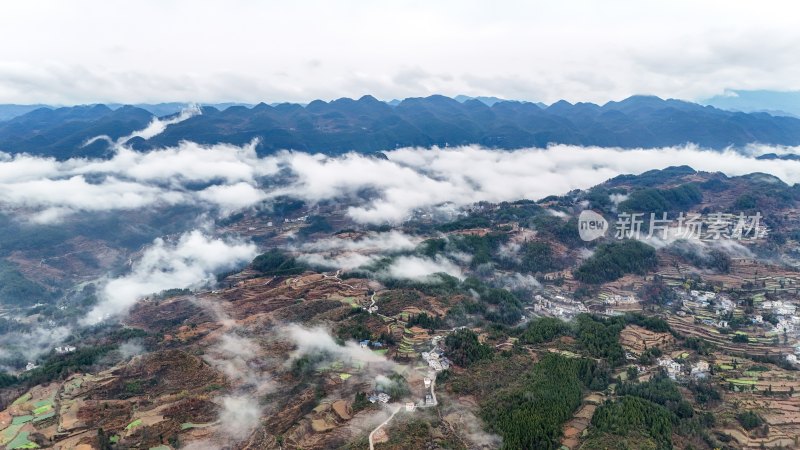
x,y
700,369
673,368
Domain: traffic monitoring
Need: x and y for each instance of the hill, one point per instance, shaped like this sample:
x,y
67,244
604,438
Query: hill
x,y
368,125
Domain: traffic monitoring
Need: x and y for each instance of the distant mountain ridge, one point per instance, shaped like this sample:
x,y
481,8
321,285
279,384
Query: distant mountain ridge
x,y
777,103
369,125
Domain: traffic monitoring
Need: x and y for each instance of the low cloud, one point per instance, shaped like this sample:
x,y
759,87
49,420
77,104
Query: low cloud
x,y
219,176
672,237
34,343
348,254
230,177
240,358
347,261
519,282
392,241
616,199
232,197
130,349
319,340
239,416
415,179
420,268
412,180
159,124
237,357
156,126
191,260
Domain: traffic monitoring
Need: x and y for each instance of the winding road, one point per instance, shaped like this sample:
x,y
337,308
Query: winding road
x,y
372,434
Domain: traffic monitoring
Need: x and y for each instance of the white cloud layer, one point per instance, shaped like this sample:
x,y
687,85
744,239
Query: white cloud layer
x,y
131,180
415,178
232,177
347,254
421,269
319,340
191,260
156,126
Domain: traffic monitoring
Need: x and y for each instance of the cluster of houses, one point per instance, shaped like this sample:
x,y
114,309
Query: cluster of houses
x,y
616,299
675,370
787,324
65,349
60,350
716,323
700,369
436,359
367,344
672,367
699,299
558,306
779,307
379,397
723,305
704,299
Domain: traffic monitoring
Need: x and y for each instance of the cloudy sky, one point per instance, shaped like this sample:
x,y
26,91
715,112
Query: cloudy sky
x,y
196,50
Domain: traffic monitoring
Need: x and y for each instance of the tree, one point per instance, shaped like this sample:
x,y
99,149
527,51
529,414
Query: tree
x,y
544,329
103,440
632,414
749,420
530,414
740,338
275,262
612,261
464,349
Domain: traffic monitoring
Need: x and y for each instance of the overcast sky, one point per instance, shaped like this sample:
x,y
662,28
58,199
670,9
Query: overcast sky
x,y
79,51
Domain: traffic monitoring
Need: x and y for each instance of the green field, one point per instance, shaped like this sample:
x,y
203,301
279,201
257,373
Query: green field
x,y
742,381
21,441
42,409
9,433
350,301
22,399
20,420
44,416
190,425
134,424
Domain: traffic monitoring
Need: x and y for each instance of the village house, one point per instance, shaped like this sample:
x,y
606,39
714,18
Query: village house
x,y
381,397
672,367
779,307
700,369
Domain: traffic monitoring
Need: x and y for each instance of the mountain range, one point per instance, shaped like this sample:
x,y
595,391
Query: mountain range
x,y
370,125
